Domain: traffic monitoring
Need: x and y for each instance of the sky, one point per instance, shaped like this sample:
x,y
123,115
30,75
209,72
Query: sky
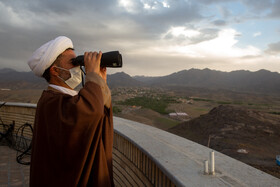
x,y
155,37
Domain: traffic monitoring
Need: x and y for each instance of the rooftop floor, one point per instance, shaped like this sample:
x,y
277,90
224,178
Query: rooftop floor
x,y
12,174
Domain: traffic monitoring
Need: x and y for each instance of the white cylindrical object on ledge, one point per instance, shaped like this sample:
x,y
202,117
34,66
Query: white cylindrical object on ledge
x,y
212,163
206,172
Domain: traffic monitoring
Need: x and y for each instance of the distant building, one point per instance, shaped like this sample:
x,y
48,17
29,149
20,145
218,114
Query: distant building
x,y
179,115
172,114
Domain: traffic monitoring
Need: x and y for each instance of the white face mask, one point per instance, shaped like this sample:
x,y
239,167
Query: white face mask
x,y
76,77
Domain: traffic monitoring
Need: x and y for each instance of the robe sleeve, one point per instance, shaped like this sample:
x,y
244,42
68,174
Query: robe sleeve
x,y
105,89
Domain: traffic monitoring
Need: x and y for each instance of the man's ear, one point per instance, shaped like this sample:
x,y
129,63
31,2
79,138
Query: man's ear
x,y
54,71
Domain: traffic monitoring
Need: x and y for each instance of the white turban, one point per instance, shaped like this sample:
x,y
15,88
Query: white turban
x,y
43,57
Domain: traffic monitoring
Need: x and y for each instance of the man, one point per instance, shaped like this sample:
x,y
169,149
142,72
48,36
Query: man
x,y
73,131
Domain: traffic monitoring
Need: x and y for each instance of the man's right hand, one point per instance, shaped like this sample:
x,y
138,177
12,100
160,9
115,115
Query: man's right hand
x,y
92,62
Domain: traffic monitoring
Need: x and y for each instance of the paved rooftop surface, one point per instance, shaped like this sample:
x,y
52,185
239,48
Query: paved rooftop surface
x,y
12,173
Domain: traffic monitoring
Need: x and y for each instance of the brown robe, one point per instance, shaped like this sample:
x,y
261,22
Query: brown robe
x,y
73,139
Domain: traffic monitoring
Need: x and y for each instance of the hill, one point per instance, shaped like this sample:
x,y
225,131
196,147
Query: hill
x,y
247,135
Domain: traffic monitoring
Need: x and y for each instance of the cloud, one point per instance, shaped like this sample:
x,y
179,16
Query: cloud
x,y
219,23
274,48
257,34
221,44
168,55
225,46
187,35
225,12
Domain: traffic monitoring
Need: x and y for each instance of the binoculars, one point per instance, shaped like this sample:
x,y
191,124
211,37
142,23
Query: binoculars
x,y
112,59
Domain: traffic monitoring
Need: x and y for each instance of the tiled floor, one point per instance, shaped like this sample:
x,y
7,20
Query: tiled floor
x,y
12,174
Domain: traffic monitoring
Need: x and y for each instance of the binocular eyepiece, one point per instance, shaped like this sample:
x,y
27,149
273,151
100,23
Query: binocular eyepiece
x,y
112,59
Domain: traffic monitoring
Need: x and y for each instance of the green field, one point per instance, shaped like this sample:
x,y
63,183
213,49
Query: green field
x,y
158,104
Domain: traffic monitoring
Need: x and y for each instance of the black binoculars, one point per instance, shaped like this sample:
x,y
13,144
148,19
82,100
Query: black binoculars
x,y
112,59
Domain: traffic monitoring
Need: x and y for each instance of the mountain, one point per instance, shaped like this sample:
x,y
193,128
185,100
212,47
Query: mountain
x,y
123,80
12,79
261,81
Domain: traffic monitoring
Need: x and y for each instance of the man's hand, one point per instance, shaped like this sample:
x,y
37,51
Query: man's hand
x,y
92,64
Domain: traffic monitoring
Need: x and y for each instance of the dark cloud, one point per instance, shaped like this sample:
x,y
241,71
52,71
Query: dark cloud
x,y
60,7
219,23
156,21
26,26
100,23
214,1
274,48
276,9
258,5
269,8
